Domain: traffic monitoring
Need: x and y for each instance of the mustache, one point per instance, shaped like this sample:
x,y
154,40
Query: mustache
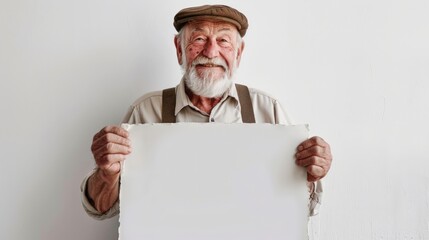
x,y
207,61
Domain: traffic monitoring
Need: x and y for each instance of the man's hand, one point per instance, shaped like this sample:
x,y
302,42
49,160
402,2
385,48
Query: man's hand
x,y
315,155
109,147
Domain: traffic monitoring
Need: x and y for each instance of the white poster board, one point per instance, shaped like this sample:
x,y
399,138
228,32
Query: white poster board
x,y
189,181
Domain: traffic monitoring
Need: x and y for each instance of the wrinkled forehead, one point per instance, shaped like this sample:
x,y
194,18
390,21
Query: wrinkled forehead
x,y
211,26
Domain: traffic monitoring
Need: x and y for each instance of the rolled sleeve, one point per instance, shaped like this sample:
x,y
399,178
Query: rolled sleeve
x,y
315,198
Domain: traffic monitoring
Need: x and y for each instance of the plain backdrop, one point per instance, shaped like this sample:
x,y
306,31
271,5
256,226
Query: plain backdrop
x,y
356,71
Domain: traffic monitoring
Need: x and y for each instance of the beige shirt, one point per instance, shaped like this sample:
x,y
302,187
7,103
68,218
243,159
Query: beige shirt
x,y
147,109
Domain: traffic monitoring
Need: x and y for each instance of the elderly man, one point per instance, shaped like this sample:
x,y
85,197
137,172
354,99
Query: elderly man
x,y
209,47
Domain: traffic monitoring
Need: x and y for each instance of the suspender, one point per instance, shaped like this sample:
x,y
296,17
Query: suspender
x,y
169,104
245,103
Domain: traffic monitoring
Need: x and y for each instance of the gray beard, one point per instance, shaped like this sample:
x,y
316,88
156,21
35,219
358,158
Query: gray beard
x,y
207,86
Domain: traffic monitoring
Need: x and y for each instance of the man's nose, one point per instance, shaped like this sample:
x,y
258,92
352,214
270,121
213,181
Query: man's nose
x,y
211,49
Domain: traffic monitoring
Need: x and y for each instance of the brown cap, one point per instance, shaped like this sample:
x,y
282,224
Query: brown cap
x,y
217,12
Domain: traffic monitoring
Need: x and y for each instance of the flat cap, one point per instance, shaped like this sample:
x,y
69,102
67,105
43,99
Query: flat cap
x,y
217,12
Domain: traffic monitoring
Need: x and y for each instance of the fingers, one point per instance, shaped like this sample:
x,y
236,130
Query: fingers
x,y
109,147
314,141
110,143
312,151
315,155
316,167
313,160
111,129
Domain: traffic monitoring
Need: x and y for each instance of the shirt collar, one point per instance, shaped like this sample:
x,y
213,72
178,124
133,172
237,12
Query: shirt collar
x,y
182,100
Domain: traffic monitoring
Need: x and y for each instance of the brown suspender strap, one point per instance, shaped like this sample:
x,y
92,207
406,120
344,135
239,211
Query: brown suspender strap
x,y
247,114
169,104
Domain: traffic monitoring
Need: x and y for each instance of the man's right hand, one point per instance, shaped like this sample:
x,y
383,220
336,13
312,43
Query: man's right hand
x,y
109,147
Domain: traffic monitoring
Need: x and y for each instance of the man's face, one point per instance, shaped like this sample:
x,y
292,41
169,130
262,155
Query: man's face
x,y
209,54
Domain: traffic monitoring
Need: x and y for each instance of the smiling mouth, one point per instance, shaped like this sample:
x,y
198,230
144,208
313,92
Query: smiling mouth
x,y
209,65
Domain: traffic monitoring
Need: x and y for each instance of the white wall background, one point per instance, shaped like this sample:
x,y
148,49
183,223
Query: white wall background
x,y
356,71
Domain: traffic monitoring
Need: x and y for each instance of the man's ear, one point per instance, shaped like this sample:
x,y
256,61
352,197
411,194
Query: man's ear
x,y
178,49
240,52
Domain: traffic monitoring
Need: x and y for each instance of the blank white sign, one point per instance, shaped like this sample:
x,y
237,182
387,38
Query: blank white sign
x,y
213,181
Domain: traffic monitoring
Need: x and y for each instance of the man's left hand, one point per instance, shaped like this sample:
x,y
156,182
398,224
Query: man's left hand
x,y
315,155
